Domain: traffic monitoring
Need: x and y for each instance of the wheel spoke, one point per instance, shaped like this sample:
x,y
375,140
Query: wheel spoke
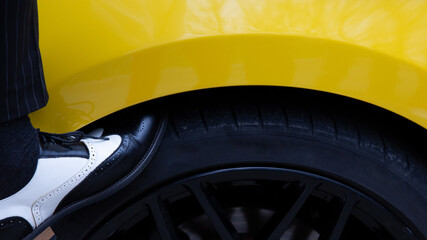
x,y
215,213
288,217
162,219
342,219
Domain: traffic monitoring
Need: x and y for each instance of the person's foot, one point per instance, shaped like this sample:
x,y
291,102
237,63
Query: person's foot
x,y
75,170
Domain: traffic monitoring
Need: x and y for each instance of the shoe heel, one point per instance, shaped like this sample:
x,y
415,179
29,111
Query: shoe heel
x,y
47,234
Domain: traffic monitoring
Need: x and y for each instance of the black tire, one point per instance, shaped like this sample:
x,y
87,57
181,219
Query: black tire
x,y
339,144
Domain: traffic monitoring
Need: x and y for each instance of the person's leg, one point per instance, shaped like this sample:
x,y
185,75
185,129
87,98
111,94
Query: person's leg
x,y
22,90
19,151
22,86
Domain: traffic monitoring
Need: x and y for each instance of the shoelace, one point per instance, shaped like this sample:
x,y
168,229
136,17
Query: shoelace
x,y
65,138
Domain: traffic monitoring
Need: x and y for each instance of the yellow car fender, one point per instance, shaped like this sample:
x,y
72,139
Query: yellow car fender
x,y
101,56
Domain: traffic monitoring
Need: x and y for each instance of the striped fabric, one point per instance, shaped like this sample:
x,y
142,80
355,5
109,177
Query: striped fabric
x,y
22,86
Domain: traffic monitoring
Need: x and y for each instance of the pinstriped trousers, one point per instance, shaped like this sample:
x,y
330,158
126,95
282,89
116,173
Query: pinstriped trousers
x,y
22,86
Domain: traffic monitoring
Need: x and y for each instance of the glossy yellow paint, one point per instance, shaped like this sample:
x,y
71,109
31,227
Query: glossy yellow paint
x,y
101,56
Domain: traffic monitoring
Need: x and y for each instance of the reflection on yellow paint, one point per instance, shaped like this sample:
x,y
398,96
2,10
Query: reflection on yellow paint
x,y
117,53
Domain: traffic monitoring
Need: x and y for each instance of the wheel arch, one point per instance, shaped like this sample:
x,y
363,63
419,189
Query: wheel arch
x,y
236,60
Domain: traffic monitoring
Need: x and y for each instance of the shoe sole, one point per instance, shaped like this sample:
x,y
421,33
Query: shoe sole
x,y
45,232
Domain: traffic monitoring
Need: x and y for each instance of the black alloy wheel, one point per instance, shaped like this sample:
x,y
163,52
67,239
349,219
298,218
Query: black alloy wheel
x,y
255,203
284,166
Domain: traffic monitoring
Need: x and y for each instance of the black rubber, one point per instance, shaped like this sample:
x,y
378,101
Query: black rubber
x,y
110,190
340,143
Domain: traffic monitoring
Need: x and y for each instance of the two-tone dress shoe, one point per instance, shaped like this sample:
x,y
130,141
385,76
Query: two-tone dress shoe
x,y
75,170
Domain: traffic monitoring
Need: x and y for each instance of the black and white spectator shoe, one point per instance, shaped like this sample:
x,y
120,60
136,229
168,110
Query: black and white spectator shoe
x,y
75,170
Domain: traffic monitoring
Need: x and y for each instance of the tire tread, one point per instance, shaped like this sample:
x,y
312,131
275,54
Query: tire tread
x,y
315,122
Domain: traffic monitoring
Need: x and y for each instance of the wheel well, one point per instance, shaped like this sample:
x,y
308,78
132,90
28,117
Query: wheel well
x,y
403,130
189,110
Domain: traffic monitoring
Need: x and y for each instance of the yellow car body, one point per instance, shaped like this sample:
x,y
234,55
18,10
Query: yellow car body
x,y
101,56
